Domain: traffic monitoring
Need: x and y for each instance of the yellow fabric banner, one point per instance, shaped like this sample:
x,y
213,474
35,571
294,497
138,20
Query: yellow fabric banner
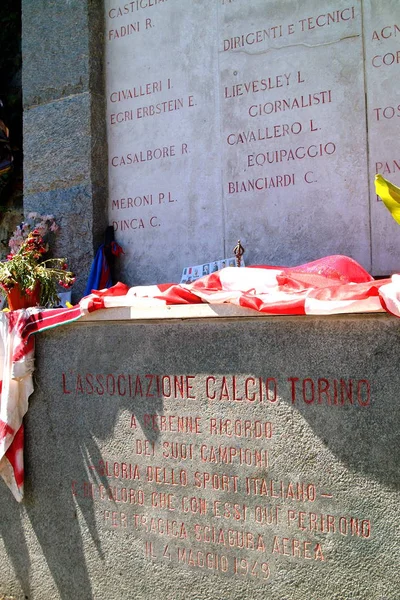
x,y
390,196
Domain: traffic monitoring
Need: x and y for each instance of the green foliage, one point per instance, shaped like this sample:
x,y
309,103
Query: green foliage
x,y
27,269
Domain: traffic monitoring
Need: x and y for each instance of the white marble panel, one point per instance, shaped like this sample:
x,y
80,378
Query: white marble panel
x,y
382,66
163,134
293,130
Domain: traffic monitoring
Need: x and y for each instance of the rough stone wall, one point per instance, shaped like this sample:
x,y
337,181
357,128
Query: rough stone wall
x,y
65,149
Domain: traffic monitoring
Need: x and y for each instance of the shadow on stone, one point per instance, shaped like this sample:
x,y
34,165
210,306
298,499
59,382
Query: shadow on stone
x,y
65,524
13,537
331,397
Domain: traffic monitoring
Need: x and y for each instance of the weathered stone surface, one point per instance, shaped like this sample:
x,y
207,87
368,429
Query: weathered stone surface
x,y
57,144
62,144
78,222
328,427
56,54
65,146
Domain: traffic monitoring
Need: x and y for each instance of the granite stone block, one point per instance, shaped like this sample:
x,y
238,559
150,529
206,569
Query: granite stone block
x,y
65,145
81,226
227,458
57,144
55,50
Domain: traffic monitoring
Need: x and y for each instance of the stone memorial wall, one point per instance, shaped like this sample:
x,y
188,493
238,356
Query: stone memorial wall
x,y
382,30
260,120
220,458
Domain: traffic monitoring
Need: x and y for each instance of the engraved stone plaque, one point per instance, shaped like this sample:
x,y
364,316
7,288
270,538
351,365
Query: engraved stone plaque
x,y
227,458
293,130
262,120
162,90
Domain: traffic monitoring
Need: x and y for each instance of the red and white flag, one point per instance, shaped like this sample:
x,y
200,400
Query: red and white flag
x,y
332,285
329,286
16,368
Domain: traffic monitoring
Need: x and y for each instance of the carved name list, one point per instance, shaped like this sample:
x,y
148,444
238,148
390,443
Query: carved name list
x,y
207,492
222,111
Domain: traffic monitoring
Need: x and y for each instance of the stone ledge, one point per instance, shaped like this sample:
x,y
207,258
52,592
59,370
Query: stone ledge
x,y
200,311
